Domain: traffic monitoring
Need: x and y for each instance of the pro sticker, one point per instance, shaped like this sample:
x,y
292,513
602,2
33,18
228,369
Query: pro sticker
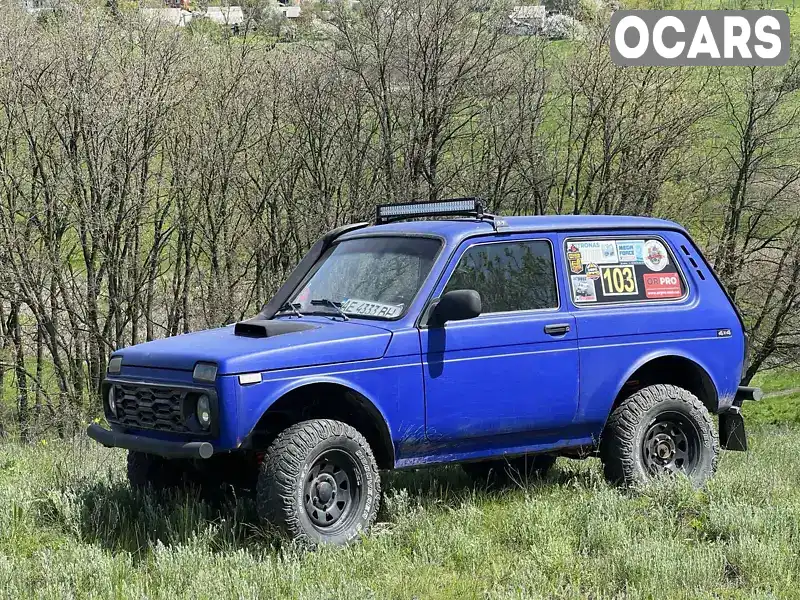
x,y
662,285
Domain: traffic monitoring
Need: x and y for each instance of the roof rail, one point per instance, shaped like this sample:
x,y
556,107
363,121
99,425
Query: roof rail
x,y
449,207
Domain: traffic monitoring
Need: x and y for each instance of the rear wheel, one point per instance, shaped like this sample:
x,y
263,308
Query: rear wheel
x,y
513,470
661,429
319,483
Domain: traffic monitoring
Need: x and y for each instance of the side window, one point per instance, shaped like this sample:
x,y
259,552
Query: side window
x,y
509,276
605,270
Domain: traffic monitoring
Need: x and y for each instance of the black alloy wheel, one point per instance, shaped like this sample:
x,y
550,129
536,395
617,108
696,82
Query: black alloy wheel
x,y
332,490
671,444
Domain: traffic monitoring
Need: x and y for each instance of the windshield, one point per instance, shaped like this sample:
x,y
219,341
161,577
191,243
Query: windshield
x,y
375,277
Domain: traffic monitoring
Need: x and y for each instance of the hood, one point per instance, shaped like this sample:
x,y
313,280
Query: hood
x,y
324,342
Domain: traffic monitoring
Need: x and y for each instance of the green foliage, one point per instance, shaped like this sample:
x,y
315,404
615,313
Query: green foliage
x,y
70,526
777,380
782,402
773,410
208,29
213,161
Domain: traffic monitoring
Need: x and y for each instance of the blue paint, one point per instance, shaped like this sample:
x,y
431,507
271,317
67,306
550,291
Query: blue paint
x,y
494,384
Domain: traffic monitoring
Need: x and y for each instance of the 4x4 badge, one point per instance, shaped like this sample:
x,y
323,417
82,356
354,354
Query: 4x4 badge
x,y
723,333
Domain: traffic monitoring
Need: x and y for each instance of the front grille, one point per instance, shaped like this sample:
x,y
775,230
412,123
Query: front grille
x,y
147,407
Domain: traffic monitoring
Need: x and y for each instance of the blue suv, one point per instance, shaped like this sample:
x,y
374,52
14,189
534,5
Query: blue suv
x,y
498,343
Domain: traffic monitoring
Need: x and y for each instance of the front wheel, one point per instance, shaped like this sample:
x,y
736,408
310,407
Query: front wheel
x,y
661,429
319,483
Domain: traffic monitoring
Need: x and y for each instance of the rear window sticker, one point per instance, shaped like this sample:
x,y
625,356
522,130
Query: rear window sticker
x,y
619,280
592,271
630,251
574,258
624,279
583,288
600,252
662,285
655,255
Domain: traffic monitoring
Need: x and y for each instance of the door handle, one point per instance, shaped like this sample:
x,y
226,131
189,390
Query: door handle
x,y
556,329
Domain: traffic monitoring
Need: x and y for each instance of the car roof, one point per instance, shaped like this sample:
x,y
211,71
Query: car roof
x,y
455,230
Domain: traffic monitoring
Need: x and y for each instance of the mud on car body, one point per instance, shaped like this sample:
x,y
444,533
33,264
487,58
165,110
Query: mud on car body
x,y
498,343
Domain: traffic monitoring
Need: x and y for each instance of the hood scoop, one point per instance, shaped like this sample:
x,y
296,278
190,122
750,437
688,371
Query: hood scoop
x,y
262,328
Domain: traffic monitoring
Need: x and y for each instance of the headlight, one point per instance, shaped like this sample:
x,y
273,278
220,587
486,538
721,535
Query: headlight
x,y
114,365
204,411
112,401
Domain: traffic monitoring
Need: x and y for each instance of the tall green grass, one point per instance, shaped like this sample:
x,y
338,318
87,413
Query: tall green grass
x,y
777,410
777,380
782,404
71,527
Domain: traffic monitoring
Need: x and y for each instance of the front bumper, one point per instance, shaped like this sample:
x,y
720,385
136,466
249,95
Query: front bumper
x,y
116,439
732,433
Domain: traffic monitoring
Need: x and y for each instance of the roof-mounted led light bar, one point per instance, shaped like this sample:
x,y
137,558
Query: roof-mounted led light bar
x,y
456,207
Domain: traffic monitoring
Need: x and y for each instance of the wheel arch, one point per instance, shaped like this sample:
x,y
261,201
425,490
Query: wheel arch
x,y
324,398
675,368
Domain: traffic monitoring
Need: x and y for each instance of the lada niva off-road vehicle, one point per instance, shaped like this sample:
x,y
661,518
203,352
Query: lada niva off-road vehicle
x,y
492,342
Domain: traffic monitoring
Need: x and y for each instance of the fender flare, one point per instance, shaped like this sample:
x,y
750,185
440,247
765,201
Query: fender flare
x,y
294,385
664,353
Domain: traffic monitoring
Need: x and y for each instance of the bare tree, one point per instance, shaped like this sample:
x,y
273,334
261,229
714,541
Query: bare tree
x,y
626,131
422,64
755,192
154,180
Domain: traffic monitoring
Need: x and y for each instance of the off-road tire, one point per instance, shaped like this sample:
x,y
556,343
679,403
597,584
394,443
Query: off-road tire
x,y
292,464
149,470
622,445
517,470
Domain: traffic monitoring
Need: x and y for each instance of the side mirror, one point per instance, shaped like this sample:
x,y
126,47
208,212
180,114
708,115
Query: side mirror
x,y
456,305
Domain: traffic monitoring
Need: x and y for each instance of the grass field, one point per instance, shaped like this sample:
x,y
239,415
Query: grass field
x,y
71,527
782,406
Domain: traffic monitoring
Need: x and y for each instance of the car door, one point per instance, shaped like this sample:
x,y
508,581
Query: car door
x,y
514,368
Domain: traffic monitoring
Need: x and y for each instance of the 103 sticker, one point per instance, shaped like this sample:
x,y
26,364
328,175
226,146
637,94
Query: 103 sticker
x,y
619,281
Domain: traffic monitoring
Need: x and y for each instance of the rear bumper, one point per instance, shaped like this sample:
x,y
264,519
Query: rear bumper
x,y
732,433
116,439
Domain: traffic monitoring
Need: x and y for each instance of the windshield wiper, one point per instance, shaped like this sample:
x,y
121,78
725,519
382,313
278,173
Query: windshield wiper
x,y
334,305
291,306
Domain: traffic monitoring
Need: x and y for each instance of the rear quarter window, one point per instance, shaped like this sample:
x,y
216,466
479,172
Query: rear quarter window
x,y
621,269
